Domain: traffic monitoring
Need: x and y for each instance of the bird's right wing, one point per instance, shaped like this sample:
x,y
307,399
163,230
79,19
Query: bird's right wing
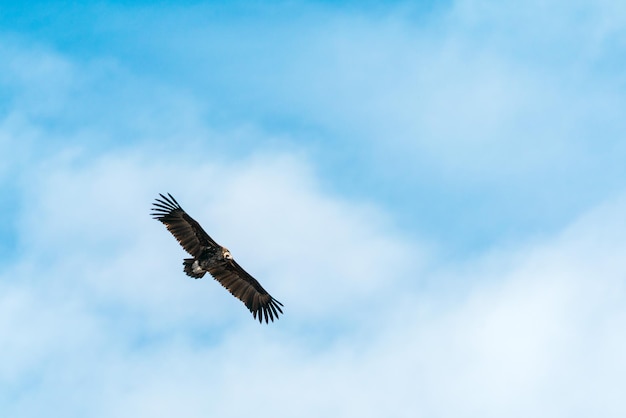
x,y
185,229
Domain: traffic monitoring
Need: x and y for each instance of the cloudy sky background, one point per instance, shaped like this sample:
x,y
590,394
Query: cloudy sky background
x,y
436,191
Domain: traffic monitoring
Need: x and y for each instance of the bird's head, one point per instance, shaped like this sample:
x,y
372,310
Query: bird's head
x,y
226,254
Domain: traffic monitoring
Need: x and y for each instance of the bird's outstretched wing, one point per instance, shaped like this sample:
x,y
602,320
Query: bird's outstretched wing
x,y
185,229
245,288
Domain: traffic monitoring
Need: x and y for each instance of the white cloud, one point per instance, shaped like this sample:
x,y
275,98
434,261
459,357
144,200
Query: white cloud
x,y
100,308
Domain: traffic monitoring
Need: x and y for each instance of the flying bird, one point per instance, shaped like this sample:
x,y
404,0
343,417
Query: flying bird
x,y
209,256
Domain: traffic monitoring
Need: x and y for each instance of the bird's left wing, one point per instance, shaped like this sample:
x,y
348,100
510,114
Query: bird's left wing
x,y
245,288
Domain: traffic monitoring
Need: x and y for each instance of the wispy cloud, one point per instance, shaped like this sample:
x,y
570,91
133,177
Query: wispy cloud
x,y
470,106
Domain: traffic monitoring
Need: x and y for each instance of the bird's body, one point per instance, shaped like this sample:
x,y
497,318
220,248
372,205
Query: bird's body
x,y
197,267
209,256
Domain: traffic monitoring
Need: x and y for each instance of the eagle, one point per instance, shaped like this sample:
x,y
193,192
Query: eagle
x,y
209,256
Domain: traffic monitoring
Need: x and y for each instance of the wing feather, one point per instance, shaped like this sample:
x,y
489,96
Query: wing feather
x,y
247,289
185,229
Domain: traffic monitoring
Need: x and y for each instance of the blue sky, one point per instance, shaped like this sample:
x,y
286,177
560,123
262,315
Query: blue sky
x,y
434,190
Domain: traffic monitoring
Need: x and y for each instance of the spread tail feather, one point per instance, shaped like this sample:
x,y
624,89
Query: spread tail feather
x,y
192,268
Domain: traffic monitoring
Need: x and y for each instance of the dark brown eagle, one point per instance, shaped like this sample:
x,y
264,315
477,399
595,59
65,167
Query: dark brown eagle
x,y
209,256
